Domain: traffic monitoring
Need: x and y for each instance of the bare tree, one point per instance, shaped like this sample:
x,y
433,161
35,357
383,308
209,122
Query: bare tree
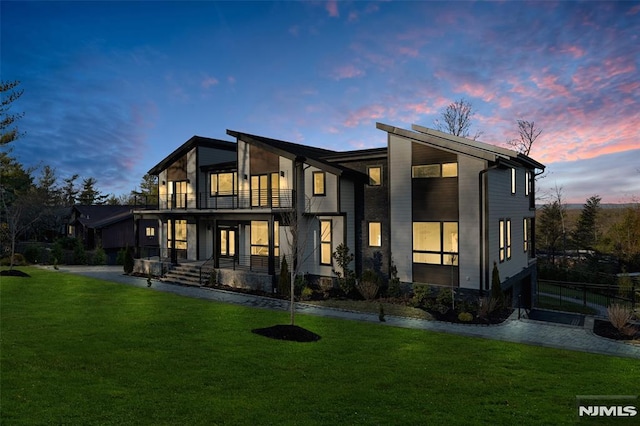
x,y
456,119
25,210
527,135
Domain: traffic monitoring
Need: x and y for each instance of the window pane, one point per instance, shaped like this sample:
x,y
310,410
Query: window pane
x,y
426,171
318,183
181,230
450,259
275,189
214,184
232,243
450,237
255,191
225,183
426,236
513,181
433,258
450,170
325,253
223,242
375,176
325,231
375,234
259,233
264,182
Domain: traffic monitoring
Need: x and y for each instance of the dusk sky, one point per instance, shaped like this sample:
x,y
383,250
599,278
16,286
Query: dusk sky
x,y
111,88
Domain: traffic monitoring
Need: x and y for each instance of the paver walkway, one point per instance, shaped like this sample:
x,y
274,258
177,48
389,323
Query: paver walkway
x,y
513,330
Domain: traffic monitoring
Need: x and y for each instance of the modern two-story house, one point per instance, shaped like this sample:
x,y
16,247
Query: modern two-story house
x,y
440,208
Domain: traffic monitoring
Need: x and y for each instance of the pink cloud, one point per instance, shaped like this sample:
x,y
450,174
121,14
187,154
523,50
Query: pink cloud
x,y
346,71
332,7
634,10
409,51
365,114
575,51
476,90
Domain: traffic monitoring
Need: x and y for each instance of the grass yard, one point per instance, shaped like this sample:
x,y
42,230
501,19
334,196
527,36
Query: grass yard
x,y
76,350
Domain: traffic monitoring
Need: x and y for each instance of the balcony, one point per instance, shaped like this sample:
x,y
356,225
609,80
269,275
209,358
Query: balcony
x,y
263,199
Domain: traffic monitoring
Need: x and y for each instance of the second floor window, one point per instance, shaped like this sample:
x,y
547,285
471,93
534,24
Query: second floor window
x,y
375,234
223,183
443,170
375,175
319,181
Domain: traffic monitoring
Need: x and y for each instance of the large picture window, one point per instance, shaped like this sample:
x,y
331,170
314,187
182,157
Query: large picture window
x,y
325,242
223,184
435,243
262,186
179,239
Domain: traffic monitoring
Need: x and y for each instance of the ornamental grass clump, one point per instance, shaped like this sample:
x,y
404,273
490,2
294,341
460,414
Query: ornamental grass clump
x,y
619,317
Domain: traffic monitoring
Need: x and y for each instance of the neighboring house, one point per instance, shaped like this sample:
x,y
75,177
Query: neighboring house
x,y
112,228
441,208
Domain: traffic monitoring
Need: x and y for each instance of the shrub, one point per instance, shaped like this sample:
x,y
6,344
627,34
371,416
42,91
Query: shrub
x,y
284,282
420,294
18,260
381,313
306,293
619,316
346,278
57,252
120,256
128,261
299,284
465,316
99,257
496,288
486,305
369,284
33,253
79,255
213,277
445,296
394,289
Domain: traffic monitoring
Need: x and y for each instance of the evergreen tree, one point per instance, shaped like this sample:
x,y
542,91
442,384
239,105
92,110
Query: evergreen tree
x,y
585,235
70,191
89,194
9,94
550,228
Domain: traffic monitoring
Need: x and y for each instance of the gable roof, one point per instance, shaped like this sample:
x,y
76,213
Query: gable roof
x,y
461,145
194,141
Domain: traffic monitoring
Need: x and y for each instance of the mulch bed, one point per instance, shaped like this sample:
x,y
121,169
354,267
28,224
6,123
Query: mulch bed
x,y
14,273
291,333
606,329
496,317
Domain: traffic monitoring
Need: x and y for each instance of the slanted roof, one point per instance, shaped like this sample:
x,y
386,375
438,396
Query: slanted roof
x,y
98,216
309,154
195,141
461,145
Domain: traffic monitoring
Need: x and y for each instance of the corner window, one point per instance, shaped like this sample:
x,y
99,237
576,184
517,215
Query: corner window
x,y
435,243
319,180
325,242
375,234
375,175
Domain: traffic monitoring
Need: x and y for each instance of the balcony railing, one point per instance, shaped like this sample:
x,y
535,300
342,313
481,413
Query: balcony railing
x,y
253,199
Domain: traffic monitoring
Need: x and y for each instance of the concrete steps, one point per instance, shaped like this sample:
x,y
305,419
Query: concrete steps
x,y
185,274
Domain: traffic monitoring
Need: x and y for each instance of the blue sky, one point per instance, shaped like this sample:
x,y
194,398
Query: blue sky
x,y
111,88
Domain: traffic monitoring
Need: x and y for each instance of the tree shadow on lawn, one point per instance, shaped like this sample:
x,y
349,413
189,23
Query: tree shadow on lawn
x,y
292,333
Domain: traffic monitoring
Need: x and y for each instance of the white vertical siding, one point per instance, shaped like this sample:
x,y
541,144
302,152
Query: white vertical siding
x,y
400,206
469,243
243,167
323,203
347,205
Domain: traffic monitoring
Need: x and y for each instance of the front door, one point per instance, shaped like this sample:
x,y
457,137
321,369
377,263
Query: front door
x,y
228,242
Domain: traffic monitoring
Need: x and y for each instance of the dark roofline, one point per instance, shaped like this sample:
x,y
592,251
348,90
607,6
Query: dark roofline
x,y
194,141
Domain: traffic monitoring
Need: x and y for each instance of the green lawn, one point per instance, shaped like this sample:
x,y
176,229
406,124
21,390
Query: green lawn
x,y
76,350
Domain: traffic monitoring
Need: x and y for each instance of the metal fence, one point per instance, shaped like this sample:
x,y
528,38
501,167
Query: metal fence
x,y
588,294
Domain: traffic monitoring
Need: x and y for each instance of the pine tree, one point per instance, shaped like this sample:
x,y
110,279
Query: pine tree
x,y
89,194
586,233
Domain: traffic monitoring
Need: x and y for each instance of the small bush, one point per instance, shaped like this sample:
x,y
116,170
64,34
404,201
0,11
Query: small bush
x,y
307,293
18,260
284,282
213,278
465,316
486,305
394,289
369,284
79,255
120,256
421,293
99,257
33,253
57,252
128,261
445,296
619,316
